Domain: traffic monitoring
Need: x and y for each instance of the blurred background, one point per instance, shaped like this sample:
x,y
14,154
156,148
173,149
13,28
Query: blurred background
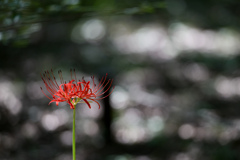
x,y
176,71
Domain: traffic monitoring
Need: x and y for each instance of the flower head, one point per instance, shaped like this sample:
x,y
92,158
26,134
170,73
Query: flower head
x,y
75,91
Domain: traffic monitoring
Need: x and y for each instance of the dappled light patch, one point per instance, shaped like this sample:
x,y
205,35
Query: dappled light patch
x,y
186,131
50,122
9,97
66,138
228,87
29,130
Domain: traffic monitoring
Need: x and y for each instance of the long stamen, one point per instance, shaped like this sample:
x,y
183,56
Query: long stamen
x,y
51,81
101,83
71,73
107,94
54,78
96,92
96,88
106,89
59,76
49,84
44,93
45,80
75,75
93,85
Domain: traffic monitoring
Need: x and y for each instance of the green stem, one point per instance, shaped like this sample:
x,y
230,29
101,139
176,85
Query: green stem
x,y
73,136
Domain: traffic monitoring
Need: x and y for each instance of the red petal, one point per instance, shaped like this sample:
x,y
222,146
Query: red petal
x,y
96,102
71,105
87,103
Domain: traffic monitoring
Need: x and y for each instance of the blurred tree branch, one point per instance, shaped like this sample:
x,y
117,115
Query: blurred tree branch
x,y
54,13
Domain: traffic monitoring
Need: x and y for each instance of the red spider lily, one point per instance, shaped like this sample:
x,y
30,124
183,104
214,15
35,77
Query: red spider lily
x,y
75,91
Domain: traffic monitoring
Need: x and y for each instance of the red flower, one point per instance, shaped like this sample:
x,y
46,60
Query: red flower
x,y
75,91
